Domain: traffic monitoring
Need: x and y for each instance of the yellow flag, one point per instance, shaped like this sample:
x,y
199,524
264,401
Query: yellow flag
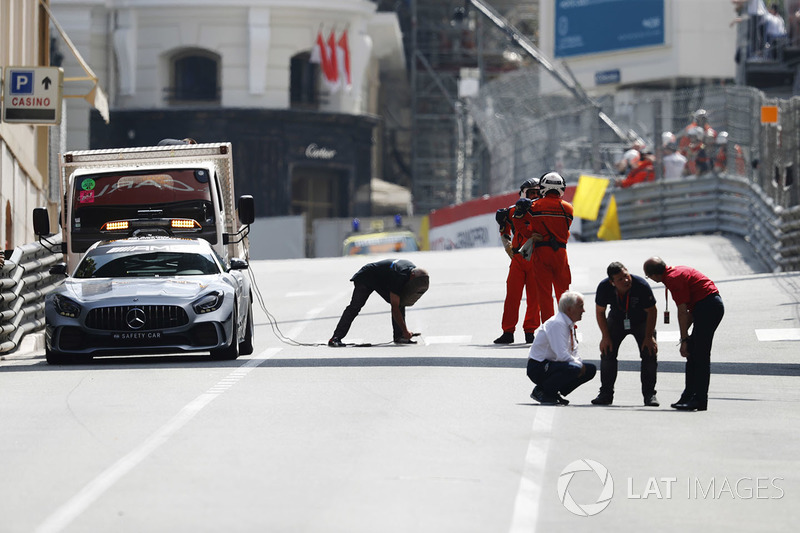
x,y
588,197
609,229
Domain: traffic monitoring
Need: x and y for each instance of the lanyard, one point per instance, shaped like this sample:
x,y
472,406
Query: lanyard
x,y
666,305
627,302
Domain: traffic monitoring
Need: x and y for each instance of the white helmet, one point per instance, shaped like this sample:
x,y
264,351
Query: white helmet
x,y
552,181
722,137
697,132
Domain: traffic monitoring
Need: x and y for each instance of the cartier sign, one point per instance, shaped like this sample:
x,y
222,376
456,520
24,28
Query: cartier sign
x,y
318,152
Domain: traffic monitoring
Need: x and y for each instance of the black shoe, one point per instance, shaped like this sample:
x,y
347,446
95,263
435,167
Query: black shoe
x,y
335,342
603,399
506,338
528,337
561,400
542,397
401,340
650,400
692,404
683,399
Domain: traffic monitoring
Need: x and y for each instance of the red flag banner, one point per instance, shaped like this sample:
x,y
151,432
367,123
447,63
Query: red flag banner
x,y
344,59
334,71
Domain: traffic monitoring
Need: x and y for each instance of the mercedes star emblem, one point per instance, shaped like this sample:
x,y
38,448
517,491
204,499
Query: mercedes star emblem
x,y
135,318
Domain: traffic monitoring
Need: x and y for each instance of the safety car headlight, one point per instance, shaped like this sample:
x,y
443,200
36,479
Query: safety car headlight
x,y
66,307
210,302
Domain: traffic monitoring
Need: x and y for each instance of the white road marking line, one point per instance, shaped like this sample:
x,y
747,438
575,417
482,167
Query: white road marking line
x,y
786,334
299,293
447,339
76,505
529,495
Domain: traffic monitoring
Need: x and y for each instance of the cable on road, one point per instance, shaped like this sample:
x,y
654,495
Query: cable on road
x,y
276,330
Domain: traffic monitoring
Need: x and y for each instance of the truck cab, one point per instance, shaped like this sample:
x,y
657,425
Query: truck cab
x,y
174,190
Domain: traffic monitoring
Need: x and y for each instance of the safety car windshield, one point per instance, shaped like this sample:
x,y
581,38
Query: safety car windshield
x,y
146,261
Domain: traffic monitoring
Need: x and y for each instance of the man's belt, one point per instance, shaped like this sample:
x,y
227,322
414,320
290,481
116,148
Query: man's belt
x,y
555,245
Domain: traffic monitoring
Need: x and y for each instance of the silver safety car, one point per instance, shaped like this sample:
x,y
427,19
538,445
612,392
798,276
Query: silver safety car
x,y
150,295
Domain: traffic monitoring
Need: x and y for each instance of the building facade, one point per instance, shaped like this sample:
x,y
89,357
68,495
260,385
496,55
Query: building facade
x,y
24,154
256,73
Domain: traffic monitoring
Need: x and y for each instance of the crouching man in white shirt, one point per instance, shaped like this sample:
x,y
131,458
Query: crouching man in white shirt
x,y
553,362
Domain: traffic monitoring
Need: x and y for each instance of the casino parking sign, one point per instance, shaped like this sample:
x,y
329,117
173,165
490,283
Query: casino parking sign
x,y
32,95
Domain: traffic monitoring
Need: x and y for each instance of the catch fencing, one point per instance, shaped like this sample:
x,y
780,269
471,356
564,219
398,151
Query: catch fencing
x,y
528,134
752,193
24,282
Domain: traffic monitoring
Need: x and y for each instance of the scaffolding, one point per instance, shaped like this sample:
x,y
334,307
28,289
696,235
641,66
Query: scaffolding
x,y
452,53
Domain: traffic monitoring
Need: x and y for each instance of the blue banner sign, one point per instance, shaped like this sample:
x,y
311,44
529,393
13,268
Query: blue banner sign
x,y
592,26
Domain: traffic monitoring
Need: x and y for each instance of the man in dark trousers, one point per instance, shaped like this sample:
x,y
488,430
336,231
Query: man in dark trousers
x,y
632,311
399,282
700,306
553,361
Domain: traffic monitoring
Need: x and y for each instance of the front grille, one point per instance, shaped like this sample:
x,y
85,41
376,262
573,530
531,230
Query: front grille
x,y
155,317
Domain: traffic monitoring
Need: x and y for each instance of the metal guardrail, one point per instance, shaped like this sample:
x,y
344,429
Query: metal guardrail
x,y
708,204
24,282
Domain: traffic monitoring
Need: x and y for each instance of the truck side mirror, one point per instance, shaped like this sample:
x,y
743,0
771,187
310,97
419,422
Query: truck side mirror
x,y
247,209
41,221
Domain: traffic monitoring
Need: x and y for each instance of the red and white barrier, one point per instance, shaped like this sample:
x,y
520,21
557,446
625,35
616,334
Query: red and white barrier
x,y
472,224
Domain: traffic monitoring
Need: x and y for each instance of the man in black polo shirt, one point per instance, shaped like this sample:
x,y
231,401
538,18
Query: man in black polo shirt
x,y
399,282
632,311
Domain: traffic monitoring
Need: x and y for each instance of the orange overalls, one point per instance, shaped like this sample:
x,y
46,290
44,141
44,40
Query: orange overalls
x,y
520,274
643,172
551,217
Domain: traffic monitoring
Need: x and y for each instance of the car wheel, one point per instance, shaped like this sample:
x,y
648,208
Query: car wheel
x,y
246,346
231,351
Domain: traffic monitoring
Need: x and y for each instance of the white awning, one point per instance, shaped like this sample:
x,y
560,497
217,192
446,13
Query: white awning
x,y
96,96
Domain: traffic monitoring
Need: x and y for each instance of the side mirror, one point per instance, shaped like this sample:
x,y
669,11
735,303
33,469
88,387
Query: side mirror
x,y
247,209
238,264
59,269
41,221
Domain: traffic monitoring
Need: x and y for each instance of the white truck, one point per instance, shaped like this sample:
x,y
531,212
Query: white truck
x,y
182,190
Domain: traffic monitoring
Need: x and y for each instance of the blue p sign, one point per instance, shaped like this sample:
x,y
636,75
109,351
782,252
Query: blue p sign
x,y
22,82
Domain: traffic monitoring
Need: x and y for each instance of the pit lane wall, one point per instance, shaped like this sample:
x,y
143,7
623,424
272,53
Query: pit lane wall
x,y
472,224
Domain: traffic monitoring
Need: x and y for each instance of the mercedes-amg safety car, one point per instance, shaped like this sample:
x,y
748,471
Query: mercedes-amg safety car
x,y
148,295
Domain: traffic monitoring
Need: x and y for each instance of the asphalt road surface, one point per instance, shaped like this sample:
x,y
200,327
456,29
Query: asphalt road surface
x,y
436,437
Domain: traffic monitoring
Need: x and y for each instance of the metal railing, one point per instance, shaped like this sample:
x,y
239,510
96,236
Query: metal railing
x,y
707,204
24,282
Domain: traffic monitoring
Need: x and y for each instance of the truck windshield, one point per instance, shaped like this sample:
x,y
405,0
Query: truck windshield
x,y
170,193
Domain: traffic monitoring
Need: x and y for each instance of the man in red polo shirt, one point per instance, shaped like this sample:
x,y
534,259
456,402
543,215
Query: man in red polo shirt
x,y
699,305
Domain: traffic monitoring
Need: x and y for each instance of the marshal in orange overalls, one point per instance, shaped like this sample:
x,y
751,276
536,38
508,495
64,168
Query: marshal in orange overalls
x,y
551,217
520,275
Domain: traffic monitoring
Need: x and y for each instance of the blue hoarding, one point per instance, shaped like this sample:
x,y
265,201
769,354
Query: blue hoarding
x,y
592,26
